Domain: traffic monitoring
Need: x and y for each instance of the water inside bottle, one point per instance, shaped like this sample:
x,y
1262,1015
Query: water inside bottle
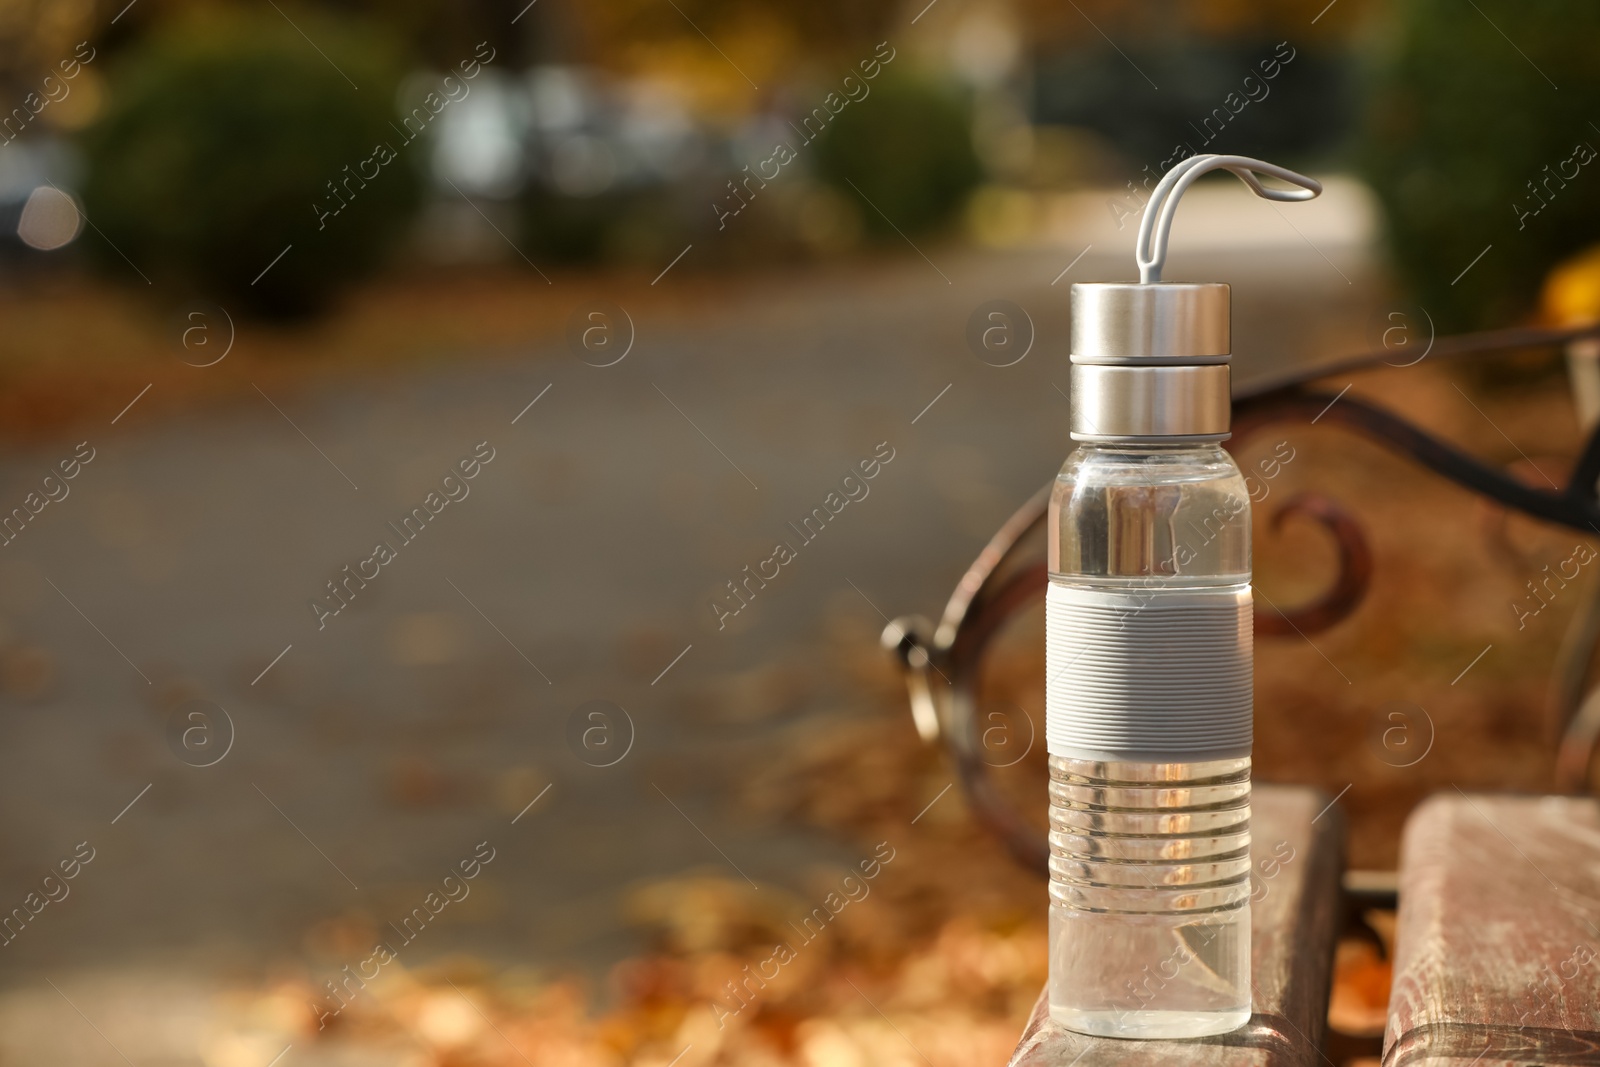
x,y
1149,897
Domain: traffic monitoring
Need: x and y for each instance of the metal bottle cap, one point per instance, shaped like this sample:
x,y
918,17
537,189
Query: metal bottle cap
x,y
1164,323
1150,359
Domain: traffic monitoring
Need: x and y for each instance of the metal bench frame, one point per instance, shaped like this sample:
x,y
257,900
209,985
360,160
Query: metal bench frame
x,y
1010,573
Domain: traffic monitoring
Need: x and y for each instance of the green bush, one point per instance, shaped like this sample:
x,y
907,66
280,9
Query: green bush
x,y
635,226
1460,119
568,229
906,147
216,151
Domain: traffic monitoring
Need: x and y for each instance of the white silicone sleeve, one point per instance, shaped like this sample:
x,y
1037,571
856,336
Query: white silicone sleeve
x,y
1148,676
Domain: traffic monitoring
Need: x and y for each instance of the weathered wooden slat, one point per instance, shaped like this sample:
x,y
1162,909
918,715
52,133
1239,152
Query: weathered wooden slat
x,y
1497,956
1293,929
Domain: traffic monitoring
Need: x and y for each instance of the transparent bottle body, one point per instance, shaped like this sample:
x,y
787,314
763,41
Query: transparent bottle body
x,y
1150,857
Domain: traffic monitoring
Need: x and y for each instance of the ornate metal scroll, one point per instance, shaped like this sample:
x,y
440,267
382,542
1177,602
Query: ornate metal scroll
x,y
943,664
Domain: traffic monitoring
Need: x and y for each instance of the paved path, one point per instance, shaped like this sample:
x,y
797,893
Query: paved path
x,y
378,751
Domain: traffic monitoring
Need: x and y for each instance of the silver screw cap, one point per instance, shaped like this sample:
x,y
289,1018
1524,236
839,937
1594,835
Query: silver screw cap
x,y
1150,358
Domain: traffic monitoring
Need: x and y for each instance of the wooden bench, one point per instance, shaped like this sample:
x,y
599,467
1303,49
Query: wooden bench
x,y
1294,920
1497,956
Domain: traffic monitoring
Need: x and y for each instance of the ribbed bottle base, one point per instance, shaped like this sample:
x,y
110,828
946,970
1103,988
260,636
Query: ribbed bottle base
x,y
1149,897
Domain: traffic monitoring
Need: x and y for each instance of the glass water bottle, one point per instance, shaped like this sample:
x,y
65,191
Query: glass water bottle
x,y
1149,675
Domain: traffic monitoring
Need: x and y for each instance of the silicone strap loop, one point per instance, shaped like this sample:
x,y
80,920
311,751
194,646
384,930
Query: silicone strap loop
x,y
1156,226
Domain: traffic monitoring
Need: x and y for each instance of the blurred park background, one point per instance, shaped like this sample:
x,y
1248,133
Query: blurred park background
x,y
281,270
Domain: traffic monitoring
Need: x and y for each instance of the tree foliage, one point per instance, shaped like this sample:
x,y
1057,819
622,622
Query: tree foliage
x,y
222,137
1472,141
